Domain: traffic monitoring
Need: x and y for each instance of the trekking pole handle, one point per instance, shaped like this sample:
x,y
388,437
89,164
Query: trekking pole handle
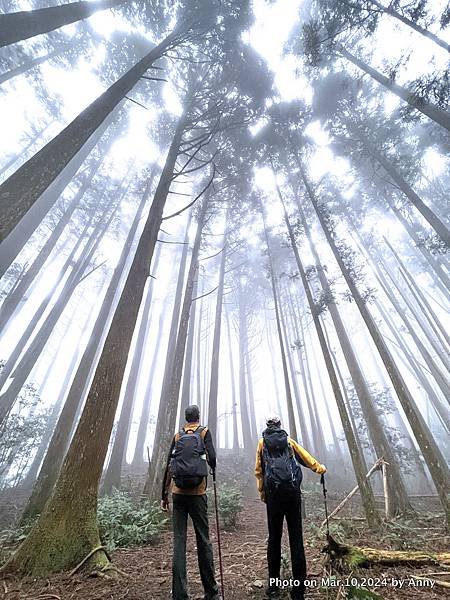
x,y
322,481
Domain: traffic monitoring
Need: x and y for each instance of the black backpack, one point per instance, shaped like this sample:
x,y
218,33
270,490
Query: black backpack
x,y
281,468
188,464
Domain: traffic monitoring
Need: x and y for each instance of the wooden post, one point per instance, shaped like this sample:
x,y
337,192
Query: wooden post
x,y
377,465
387,508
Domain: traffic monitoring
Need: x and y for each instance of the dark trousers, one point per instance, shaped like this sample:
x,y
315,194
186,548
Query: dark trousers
x,y
197,508
281,505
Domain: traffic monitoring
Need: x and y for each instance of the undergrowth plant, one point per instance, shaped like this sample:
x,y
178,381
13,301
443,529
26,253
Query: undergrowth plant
x,y
123,522
230,505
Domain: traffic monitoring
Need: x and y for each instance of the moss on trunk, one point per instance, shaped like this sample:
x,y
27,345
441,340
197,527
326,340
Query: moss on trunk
x,y
63,536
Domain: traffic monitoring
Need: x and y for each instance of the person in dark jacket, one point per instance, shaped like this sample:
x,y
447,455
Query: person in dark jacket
x,y
191,501
284,504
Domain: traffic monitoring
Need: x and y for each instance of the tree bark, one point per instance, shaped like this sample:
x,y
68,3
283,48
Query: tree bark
x,y
20,191
187,372
19,26
48,473
67,530
113,474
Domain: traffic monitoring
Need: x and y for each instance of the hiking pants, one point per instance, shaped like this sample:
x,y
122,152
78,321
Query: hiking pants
x,y
196,507
280,505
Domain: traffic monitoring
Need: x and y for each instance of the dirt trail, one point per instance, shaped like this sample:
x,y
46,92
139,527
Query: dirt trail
x,y
149,570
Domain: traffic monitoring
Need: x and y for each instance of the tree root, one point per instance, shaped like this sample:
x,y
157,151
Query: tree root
x,y
343,557
87,557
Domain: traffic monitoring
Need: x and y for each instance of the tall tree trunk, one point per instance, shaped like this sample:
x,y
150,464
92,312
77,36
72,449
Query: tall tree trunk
x,y
287,385
430,450
13,299
198,349
435,323
268,329
19,26
428,34
318,446
250,394
22,342
33,471
112,478
215,354
138,457
439,116
21,233
67,530
411,363
247,434
367,496
27,66
187,372
20,191
399,502
442,279
435,222
26,363
168,405
23,151
440,379
233,384
49,471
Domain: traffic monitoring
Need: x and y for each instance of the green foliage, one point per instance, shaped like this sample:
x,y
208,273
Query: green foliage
x,y
22,433
123,522
230,505
10,539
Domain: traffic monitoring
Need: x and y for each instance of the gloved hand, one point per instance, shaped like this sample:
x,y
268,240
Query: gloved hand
x,y
321,470
164,504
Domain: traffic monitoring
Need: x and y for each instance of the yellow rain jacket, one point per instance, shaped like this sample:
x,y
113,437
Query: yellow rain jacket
x,y
302,455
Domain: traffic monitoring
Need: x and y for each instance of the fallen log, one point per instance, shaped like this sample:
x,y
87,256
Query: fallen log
x,y
343,557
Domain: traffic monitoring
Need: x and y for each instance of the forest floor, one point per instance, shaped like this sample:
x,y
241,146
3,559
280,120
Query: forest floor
x,y
148,569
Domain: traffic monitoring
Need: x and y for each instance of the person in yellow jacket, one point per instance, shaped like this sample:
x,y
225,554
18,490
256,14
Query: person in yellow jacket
x,y
278,474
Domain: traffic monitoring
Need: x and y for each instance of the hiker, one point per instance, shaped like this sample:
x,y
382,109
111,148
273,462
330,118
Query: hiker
x,y
186,472
279,475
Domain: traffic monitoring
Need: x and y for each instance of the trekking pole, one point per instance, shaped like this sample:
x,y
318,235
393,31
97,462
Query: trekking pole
x,y
324,489
218,532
